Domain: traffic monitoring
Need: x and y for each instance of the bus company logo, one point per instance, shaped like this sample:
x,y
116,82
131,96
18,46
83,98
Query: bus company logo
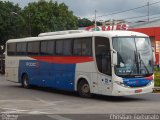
x,y
132,82
32,64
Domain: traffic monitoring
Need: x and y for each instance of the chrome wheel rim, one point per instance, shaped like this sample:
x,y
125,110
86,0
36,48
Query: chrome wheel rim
x,y
85,88
25,82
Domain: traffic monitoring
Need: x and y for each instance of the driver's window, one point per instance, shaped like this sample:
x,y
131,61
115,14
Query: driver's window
x,y
103,56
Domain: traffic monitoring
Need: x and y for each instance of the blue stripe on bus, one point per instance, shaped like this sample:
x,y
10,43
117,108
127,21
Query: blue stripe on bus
x,y
136,82
46,74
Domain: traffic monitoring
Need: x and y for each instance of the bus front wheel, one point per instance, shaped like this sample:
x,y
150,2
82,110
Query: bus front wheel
x,y
25,81
84,89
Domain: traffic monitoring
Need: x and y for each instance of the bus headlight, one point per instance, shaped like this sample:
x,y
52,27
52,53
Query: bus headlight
x,y
152,82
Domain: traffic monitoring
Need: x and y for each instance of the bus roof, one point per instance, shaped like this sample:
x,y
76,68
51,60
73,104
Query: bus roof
x,y
53,36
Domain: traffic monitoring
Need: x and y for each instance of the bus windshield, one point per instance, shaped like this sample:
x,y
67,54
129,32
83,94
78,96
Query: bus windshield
x,y
134,56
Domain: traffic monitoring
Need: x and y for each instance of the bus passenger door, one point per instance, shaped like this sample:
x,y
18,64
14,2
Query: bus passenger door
x,y
103,61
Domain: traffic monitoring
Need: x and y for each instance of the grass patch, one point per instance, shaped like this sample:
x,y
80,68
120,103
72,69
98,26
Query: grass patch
x,y
157,77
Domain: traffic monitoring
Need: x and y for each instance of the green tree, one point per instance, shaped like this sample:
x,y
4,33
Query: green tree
x,y
43,16
36,17
11,25
84,22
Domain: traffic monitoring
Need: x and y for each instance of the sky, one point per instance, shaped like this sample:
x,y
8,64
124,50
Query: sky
x,y
86,8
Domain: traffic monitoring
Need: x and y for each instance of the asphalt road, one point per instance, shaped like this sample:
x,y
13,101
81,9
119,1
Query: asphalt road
x,y
58,105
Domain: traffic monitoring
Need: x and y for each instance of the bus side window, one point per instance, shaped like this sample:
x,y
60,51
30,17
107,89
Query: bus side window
x,y
29,48
59,47
11,49
82,47
47,47
33,48
67,47
50,47
86,47
44,48
21,48
77,47
103,56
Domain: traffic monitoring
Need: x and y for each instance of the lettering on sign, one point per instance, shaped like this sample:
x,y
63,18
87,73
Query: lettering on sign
x,y
108,28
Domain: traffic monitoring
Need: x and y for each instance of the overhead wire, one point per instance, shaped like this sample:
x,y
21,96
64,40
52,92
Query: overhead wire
x,y
114,13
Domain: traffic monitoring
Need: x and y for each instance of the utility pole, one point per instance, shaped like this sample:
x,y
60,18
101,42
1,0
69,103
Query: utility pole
x,y
148,10
95,24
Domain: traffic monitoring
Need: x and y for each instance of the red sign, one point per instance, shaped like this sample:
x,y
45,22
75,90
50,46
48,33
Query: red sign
x,y
108,28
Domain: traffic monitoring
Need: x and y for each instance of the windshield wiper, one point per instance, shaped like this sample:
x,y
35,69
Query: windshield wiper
x,y
139,56
135,63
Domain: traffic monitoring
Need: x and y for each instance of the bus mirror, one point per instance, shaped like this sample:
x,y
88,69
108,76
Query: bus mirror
x,y
114,58
154,57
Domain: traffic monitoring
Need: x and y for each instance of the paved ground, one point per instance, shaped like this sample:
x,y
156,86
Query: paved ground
x,y
17,100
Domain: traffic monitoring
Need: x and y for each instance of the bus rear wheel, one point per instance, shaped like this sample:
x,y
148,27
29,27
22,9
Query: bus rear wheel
x,y
84,89
25,81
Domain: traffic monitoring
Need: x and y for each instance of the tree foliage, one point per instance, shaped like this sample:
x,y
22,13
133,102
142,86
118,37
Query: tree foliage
x,y
84,22
45,16
36,17
10,25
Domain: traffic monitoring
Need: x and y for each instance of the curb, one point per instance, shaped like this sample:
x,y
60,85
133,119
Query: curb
x,y
156,88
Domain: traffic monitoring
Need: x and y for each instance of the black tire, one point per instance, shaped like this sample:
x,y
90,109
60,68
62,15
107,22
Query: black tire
x,y
84,89
25,81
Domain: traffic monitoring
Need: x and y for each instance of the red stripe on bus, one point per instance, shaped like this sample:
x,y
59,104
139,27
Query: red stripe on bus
x,y
149,78
63,60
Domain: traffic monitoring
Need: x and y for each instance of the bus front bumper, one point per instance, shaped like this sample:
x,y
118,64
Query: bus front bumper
x,y
119,90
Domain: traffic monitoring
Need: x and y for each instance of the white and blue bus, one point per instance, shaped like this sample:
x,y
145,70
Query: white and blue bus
x,y
114,63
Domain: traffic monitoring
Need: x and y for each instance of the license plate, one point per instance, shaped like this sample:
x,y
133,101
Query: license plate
x,y
138,91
